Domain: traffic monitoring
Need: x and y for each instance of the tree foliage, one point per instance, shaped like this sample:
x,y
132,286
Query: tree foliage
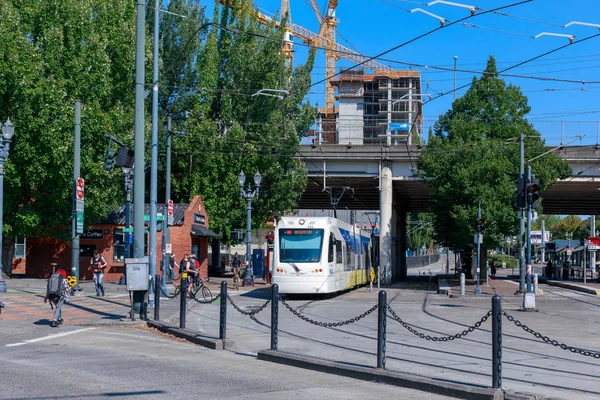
x,y
473,158
53,53
229,130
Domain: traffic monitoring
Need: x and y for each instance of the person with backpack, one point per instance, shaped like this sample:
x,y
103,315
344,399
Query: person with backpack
x,y
98,264
57,292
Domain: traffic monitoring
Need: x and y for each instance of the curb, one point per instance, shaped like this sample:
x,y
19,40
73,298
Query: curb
x,y
576,287
378,375
191,336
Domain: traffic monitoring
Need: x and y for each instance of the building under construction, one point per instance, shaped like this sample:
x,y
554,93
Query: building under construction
x,y
380,108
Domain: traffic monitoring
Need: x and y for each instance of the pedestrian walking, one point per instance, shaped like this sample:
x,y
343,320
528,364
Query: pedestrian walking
x,y
223,264
549,270
171,270
565,270
57,290
493,269
98,264
235,268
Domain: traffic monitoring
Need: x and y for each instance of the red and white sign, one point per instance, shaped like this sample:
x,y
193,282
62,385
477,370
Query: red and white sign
x,y
593,243
170,208
79,189
169,248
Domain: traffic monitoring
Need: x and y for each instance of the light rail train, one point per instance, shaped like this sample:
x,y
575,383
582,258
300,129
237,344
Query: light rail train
x,y
320,255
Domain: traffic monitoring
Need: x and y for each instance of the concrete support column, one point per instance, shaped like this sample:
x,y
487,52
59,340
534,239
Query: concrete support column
x,y
593,253
401,239
385,206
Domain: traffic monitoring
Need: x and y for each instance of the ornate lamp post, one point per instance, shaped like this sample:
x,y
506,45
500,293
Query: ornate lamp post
x,y
249,194
8,130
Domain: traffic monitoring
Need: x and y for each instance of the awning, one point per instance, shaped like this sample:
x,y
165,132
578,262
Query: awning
x,y
199,230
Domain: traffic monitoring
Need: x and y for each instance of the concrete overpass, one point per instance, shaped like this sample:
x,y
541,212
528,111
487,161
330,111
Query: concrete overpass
x,y
382,178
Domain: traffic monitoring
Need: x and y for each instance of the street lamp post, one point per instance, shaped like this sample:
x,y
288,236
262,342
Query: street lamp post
x,y
455,58
249,195
8,131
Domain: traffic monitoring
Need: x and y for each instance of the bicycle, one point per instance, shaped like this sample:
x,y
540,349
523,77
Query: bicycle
x,y
198,285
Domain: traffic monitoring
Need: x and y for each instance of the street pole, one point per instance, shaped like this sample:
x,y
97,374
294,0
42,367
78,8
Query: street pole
x,y
76,175
477,288
455,58
593,253
7,133
543,243
249,277
528,232
127,179
154,161
249,195
522,221
166,228
139,184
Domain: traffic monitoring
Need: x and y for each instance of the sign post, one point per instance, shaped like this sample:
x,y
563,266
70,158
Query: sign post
x,y
170,213
79,203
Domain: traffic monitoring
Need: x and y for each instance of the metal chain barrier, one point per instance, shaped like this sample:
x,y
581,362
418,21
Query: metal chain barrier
x,y
206,301
250,313
546,339
439,338
328,324
175,293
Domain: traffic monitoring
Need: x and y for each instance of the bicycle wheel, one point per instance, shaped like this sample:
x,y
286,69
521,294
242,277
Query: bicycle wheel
x,y
206,294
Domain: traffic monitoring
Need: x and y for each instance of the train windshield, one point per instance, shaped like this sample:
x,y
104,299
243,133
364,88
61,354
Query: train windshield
x,y
300,245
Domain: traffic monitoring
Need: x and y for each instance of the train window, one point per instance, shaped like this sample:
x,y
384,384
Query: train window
x,y
338,252
348,259
331,247
300,245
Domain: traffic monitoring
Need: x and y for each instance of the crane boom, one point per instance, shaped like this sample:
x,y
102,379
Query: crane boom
x,y
325,39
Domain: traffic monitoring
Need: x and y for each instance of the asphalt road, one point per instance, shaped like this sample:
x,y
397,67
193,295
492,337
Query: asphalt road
x,y
529,364
93,363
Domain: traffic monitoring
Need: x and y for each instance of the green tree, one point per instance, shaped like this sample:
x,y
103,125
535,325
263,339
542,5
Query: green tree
x,y
53,53
229,130
474,157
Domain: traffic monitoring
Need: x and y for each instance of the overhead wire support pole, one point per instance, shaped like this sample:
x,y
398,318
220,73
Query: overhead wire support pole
x,y
528,230
139,184
521,217
154,160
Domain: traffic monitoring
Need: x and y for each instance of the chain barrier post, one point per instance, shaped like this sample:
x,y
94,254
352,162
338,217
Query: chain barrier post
x,y
381,326
223,317
274,315
496,342
157,297
182,305
462,284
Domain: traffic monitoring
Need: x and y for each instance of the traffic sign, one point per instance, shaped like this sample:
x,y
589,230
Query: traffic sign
x,y
170,208
169,249
372,275
80,188
126,230
79,227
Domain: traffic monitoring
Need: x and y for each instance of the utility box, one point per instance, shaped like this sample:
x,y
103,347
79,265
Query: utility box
x,y
137,273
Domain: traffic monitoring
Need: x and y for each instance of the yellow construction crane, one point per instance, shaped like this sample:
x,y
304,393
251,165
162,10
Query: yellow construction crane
x,y
326,39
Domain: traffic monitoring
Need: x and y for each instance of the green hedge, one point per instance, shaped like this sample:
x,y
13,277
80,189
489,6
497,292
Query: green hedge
x,y
500,258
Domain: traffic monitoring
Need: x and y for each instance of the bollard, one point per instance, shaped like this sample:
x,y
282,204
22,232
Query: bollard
x,y
535,283
182,304
462,284
223,317
157,298
381,326
274,315
496,342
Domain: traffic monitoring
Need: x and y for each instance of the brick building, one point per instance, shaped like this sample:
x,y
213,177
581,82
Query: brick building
x,y
189,234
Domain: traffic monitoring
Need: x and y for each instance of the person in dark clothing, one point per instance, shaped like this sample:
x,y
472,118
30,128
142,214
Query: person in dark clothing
x,y
549,270
565,270
493,269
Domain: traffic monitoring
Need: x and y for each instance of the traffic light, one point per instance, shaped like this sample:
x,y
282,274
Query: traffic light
x,y
533,193
519,201
479,226
109,160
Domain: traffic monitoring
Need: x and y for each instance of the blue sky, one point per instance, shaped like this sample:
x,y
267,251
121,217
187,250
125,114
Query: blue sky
x,y
374,26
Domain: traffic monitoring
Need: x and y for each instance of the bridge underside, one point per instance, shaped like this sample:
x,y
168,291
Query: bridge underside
x,y
575,196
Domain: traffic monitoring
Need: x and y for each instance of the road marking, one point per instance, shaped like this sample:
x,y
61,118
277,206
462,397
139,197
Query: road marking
x,y
48,337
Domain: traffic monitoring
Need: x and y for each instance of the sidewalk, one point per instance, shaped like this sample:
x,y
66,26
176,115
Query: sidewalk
x,y
24,301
